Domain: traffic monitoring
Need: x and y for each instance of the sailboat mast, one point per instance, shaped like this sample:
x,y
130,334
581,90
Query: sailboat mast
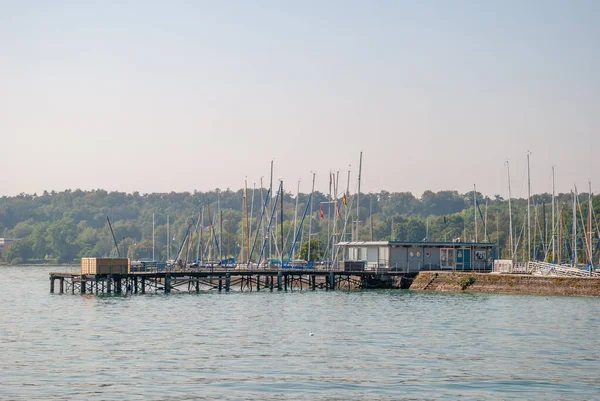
x,y
590,223
310,216
560,236
201,236
510,225
261,215
210,227
329,216
553,221
220,225
168,239
229,236
281,234
475,210
485,222
358,196
575,228
271,196
247,222
528,209
295,221
346,209
371,213
153,237
251,210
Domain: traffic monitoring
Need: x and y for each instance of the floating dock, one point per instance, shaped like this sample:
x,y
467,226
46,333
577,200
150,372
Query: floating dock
x,y
224,280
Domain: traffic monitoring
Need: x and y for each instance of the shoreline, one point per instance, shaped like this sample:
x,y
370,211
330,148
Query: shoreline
x,y
509,284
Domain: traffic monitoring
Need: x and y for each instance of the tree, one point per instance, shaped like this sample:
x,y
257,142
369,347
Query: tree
x,y
61,237
316,250
20,251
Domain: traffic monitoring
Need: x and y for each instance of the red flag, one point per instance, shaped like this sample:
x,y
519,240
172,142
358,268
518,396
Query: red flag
x,y
337,211
321,212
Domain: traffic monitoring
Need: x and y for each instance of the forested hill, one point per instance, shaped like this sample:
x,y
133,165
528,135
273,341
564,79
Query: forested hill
x,y
64,226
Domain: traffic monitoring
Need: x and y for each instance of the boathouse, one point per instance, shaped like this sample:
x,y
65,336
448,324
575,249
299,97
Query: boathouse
x,y
418,256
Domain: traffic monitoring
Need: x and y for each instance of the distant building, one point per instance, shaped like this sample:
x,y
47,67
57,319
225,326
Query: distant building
x,y
5,243
417,256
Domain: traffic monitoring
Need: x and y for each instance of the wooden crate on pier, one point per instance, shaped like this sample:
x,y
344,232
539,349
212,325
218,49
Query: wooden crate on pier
x,y
105,266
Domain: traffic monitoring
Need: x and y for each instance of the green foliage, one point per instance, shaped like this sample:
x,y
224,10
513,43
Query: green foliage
x,y
466,281
316,250
63,226
61,238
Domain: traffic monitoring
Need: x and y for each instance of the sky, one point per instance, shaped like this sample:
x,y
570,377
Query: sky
x,y
160,96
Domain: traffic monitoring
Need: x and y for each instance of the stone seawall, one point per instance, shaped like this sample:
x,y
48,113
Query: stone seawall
x,y
506,284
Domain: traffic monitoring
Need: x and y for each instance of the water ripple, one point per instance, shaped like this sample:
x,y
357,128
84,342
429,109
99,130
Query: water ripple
x,y
381,345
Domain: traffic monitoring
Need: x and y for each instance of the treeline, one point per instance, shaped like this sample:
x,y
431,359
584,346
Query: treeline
x,y
64,226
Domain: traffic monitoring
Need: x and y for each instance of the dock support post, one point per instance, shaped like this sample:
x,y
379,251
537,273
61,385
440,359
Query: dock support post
x,y
62,284
313,282
258,282
72,286
109,284
197,285
143,285
332,280
270,278
227,281
220,283
167,283
51,284
135,283
278,281
118,285
285,282
82,286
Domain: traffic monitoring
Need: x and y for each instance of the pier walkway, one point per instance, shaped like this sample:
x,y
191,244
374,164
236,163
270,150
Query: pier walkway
x,y
224,280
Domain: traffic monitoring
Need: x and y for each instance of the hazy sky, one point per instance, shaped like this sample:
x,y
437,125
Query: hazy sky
x,y
180,95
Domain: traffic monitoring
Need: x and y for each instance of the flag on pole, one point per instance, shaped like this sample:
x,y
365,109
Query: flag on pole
x,y
337,210
345,200
321,212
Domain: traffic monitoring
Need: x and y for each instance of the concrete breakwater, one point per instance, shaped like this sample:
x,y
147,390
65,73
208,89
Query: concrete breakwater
x,y
506,284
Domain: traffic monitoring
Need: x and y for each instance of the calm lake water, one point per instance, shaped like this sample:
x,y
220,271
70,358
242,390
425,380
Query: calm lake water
x,y
374,345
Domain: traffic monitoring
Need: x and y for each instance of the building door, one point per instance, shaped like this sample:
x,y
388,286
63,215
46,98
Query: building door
x,y
463,259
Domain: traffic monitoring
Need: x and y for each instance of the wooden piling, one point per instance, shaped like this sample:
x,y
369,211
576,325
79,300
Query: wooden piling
x,y
227,282
51,284
167,284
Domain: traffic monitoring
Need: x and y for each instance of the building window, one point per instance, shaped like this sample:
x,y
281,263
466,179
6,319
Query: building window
x,y
447,257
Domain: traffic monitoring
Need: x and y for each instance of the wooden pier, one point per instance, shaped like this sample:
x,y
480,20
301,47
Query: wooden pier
x,y
224,280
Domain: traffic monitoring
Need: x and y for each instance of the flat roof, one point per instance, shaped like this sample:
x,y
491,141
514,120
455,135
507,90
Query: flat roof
x,y
418,243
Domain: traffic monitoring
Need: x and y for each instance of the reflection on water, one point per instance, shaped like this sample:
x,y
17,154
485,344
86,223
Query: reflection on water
x,y
366,345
